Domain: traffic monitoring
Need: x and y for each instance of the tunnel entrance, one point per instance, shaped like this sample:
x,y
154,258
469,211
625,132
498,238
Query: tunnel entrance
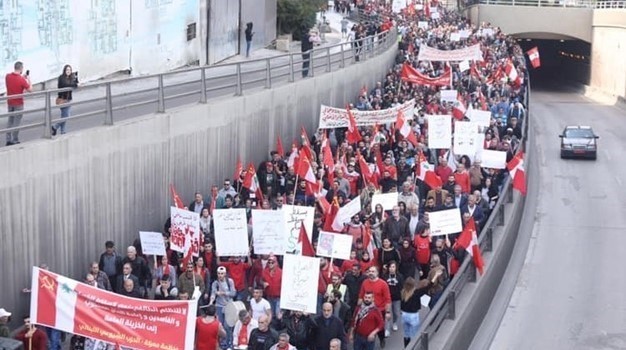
x,y
563,61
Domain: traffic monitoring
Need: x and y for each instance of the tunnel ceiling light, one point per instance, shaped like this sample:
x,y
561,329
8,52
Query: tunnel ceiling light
x,y
562,40
529,39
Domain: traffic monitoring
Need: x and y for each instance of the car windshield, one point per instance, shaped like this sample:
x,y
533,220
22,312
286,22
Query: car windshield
x,y
578,133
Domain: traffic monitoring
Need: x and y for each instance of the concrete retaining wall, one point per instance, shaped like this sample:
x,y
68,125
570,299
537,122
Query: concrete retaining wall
x,y
60,200
608,72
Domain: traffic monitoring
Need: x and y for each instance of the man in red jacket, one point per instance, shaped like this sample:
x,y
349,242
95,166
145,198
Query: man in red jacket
x,y
366,323
382,297
31,337
272,282
238,269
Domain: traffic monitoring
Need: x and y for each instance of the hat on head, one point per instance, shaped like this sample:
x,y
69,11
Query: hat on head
x,y
221,269
4,313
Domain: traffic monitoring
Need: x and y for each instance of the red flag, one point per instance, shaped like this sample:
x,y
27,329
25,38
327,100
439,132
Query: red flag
x,y
469,241
427,8
365,170
307,248
426,172
511,72
483,101
213,200
368,241
379,161
178,203
354,135
238,170
279,147
327,154
405,129
324,205
251,182
533,55
305,171
517,172
293,156
412,75
330,216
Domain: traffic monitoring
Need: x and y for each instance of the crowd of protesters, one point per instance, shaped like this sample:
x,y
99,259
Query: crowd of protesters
x,y
379,289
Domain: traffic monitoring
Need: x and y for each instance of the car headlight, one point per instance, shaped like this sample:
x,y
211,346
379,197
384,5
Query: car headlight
x,y
591,146
567,146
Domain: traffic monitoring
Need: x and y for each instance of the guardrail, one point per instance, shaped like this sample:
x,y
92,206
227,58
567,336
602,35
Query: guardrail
x,y
445,308
611,4
218,80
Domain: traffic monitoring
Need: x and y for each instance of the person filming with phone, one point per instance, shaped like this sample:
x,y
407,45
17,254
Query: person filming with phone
x,y
16,83
67,79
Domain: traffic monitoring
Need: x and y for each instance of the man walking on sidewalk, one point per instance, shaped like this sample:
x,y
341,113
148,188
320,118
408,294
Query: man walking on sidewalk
x,y
16,84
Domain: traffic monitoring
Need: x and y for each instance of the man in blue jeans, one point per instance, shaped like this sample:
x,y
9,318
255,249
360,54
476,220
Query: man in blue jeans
x,y
222,292
367,322
16,84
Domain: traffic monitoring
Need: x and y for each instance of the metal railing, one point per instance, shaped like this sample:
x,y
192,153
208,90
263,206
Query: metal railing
x,y
199,84
589,4
445,308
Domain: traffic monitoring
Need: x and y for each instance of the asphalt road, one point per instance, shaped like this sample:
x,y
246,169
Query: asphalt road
x,y
571,292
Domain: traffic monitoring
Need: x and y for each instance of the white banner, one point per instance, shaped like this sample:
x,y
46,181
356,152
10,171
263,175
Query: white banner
x,y
299,283
464,65
331,117
387,200
231,232
465,138
439,131
444,222
185,230
293,216
345,213
422,25
470,53
482,118
334,245
448,96
152,243
493,159
268,231
398,5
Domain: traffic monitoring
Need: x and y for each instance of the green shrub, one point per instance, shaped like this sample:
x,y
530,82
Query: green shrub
x,y
293,15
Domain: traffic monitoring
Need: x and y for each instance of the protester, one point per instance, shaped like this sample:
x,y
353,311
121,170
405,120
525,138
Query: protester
x,y
4,319
16,83
208,330
243,328
32,337
67,79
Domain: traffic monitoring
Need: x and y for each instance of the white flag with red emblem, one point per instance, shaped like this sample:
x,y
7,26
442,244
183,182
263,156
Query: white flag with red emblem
x,y
405,129
517,172
533,56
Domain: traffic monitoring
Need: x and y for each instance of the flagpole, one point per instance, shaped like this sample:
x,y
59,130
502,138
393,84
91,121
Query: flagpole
x,y
330,267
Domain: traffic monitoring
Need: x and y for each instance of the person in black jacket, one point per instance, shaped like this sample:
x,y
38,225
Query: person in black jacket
x,y
305,45
327,327
249,34
410,304
264,337
140,269
67,79
299,327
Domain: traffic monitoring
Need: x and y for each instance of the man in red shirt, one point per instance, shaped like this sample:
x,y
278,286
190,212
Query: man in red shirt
x,y
238,270
272,282
366,323
382,297
31,337
16,84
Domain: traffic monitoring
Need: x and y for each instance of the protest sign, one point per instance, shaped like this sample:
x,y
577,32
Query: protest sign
x,y
479,142
334,245
152,243
464,65
455,36
231,232
78,308
299,283
345,213
268,231
439,131
464,33
448,96
186,232
293,216
465,138
493,159
387,200
331,117
444,222
482,118
422,25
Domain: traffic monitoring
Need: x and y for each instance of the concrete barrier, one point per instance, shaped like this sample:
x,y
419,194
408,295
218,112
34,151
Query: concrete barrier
x,y
60,200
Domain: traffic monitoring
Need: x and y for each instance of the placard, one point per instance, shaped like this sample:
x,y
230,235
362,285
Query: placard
x,y
464,33
293,216
439,131
465,138
334,245
186,232
231,232
387,200
493,159
464,65
434,15
455,36
482,118
487,32
268,231
299,283
345,213
479,141
422,25
448,95
445,222
152,243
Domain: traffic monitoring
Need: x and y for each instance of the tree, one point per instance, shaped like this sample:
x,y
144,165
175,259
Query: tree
x,y
295,15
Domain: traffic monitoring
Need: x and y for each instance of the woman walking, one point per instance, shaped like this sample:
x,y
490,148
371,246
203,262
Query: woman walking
x,y
410,304
67,79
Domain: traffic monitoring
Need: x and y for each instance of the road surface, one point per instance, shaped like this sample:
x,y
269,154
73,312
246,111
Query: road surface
x,y
571,292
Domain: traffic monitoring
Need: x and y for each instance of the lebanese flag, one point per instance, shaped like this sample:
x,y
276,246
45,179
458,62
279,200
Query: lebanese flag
x,y
330,215
533,55
365,171
427,8
353,135
238,170
368,240
469,241
517,172
303,238
458,109
511,73
178,203
405,129
305,171
293,156
279,147
425,172
327,154
251,182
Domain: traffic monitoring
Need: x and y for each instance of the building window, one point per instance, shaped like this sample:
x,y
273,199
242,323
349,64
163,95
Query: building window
x,y
191,31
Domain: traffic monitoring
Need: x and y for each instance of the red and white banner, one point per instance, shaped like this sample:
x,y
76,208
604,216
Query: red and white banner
x,y
186,233
470,53
331,117
412,75
74,307
533,56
